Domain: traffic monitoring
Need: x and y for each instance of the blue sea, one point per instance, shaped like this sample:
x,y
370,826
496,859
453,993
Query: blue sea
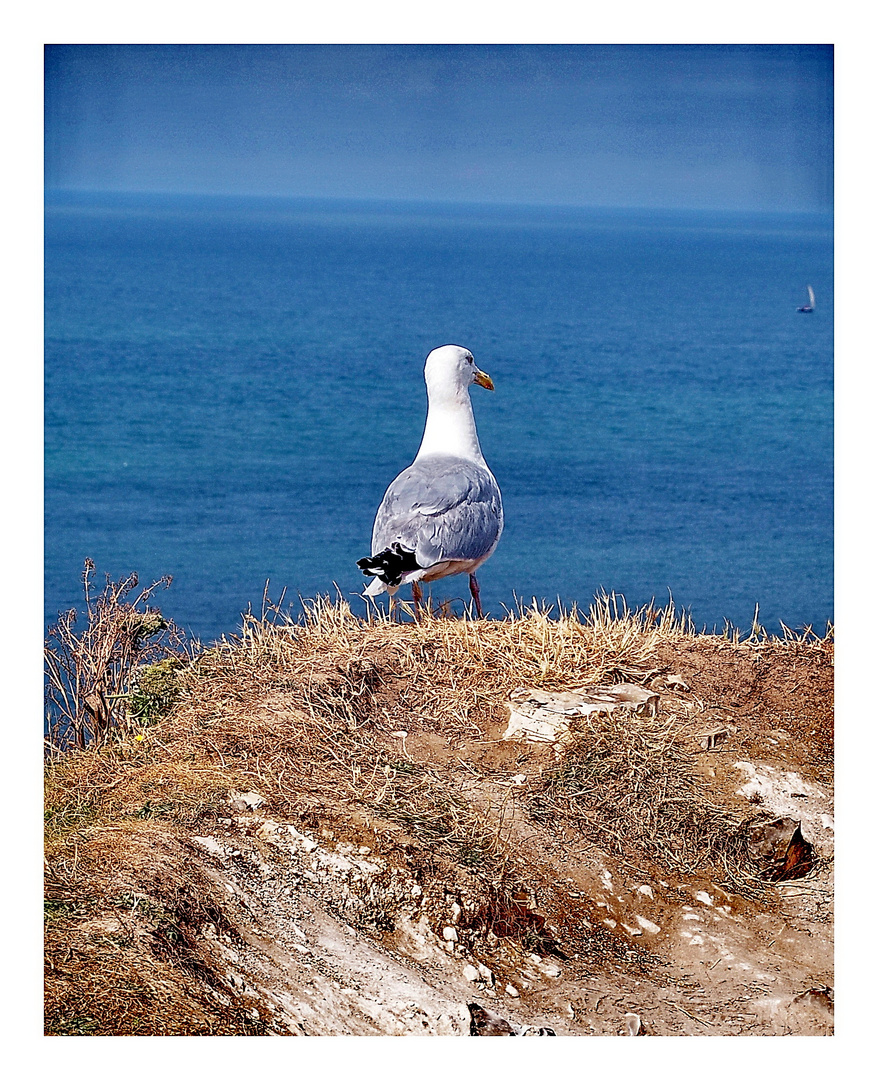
x,y
232,383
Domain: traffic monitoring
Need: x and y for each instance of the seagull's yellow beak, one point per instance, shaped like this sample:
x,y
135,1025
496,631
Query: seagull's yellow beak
x,y
483,380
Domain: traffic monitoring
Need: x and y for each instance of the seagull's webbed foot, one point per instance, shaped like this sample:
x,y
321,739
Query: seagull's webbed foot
x,y
474,589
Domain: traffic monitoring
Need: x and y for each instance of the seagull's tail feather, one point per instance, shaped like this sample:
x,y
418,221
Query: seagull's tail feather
x,y
376,587
388,566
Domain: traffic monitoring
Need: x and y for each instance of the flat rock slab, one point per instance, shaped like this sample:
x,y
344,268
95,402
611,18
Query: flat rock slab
x,y
540,716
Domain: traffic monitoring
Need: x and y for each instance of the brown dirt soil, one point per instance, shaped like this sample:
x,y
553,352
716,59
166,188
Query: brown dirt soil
x,y
328,835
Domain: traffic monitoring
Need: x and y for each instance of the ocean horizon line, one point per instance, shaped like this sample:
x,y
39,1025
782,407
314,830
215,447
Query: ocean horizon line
x,y
396,204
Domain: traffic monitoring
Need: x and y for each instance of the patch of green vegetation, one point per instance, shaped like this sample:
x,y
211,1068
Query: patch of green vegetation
x,y
534,941
156,689
155,810
472,852
72,815
137,903
73,1025
55,911
407,767
144,625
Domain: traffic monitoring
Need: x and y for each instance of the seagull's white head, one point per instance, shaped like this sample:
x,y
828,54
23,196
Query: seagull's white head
x,y
450,371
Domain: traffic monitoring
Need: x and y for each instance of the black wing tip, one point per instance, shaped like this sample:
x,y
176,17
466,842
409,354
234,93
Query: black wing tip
x,y
390,564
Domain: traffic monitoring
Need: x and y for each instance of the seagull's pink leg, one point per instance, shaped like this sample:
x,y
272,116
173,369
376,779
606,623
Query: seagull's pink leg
x,y
474,589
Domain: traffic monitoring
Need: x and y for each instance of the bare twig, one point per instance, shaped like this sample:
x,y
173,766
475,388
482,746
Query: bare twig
x,y
89,674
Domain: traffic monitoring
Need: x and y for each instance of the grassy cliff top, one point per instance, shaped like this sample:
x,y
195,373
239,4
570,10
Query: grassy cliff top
x,y
385,737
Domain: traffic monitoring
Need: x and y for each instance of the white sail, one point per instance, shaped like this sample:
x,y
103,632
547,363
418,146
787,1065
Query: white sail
x,y
810,296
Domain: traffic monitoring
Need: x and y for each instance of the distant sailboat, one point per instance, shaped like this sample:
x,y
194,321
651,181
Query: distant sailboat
x,y
809,307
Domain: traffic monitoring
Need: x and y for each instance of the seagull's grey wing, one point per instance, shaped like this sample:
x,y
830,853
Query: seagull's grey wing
x,y
441,508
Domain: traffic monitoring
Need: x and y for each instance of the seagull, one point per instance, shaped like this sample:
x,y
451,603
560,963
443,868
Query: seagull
x,y
443,514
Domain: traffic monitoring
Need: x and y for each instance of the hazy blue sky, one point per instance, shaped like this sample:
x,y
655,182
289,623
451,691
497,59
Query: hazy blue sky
x,y
744,127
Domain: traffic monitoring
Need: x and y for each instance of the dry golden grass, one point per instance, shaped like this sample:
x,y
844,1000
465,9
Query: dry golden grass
x,y
123,912
302,711
299,709
634,788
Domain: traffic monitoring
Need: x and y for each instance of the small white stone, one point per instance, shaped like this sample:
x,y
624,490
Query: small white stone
x,y
364,850
647,925
632,930
486,973
511,991
470,973
399,734
647,891
455,913
609,922
552,970
519,779
704,898
246,800
308,844
210,844
449,933
417,891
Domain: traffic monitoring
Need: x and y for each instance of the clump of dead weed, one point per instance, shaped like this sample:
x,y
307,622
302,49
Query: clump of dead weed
x,y
631,786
